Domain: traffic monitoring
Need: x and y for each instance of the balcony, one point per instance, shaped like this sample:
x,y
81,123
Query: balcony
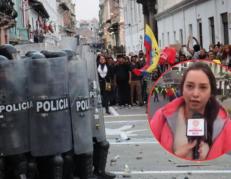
x,y
39,8
6,21
7,14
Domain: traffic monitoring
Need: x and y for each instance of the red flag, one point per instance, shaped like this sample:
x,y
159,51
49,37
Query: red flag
x,y
169,54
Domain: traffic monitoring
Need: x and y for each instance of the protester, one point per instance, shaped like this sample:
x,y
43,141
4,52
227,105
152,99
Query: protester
x,y
155,93
105,81
135,82
226,55
121,78
170,93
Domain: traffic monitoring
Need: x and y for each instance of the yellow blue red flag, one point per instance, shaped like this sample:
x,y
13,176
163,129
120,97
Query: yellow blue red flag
x,y
152,52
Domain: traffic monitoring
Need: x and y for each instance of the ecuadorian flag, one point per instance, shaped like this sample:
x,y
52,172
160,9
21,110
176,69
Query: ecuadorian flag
x,y
152,52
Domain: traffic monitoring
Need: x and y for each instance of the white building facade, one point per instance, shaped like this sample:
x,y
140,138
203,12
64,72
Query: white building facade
x,y
133,27
51,7
88,31
207,20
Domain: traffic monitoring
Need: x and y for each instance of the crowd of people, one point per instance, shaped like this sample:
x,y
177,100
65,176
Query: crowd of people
x,y
218,53
128,89
168,93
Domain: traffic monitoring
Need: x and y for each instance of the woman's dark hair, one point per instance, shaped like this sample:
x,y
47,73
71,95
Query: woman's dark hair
x,y
224,53
196,47
97,60
212,107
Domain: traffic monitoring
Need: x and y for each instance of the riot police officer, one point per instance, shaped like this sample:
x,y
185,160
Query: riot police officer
x,y
50,124
9,51
81,118
14,108
101,145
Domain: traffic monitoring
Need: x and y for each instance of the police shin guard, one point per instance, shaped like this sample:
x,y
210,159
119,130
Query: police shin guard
x,y
32,169
19,163
84,164
57,167
68,166
100,160
2,168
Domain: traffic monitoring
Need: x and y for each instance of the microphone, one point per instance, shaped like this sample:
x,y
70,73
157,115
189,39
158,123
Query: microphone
x,y
196,130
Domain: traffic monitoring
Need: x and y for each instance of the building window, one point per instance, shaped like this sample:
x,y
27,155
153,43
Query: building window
x,y
132,13
181,36
174,34
224,18
200,34
163,39
190,29
135,10
139,12
212,30
168,38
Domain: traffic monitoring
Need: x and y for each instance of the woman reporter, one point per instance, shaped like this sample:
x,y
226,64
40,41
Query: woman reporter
x,y
169,123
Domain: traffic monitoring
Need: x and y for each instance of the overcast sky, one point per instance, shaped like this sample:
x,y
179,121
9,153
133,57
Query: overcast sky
x,y
87,9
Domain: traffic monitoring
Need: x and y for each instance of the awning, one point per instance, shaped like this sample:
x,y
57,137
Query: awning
x,y
39,8
64,6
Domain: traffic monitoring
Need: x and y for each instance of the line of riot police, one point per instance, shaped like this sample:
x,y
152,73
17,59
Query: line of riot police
x,y
51,117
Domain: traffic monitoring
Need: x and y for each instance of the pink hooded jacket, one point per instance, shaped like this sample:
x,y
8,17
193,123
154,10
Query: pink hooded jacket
x,y
163,126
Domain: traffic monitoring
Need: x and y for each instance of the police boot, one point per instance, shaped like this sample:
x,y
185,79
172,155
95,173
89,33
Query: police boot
x,y
84,164
57,167
100,160
22,176
20,166
68,166
32,169
2,168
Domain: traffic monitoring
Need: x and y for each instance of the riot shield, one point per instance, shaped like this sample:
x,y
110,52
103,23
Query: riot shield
x,y
80,106
14,107
50,124
70,54
98,126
